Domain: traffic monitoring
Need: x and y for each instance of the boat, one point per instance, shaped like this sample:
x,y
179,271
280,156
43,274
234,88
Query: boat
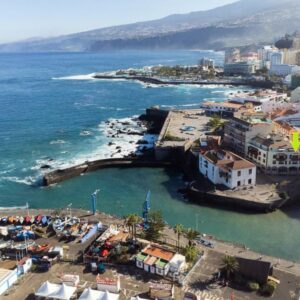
x,y
44,220
27,220
38,219
11,219
59,225
39,248
21,220
25,234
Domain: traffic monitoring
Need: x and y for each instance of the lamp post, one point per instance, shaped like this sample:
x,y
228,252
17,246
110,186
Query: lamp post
x,y
94,201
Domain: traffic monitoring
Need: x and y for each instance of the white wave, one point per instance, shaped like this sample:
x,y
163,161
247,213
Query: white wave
x,y
218,92
111,108
57,142
27,180
85,133
77,77
189,105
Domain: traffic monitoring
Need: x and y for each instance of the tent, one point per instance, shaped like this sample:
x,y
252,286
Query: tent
x,y
137,298
109,296
89,294
64,292
46,289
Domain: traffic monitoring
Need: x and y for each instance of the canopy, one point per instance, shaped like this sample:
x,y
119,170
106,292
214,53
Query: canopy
x,y
65,292
89,294
46,289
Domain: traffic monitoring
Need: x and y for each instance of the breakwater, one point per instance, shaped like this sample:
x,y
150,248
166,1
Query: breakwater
x,y
213,197
156,81
60,175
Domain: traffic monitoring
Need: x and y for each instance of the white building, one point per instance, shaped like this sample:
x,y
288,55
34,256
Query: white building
x,y
240,68
7,279
108,284
221,107
295,95
274,155
227,168
276,58
283,70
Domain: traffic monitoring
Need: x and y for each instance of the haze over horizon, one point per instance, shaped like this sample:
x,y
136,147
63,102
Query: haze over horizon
x,y
21,20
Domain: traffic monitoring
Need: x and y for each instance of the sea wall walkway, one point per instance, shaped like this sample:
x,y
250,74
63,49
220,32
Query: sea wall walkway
x,y
90,166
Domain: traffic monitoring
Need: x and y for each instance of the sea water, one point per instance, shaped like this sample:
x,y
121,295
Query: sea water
x,y
52,113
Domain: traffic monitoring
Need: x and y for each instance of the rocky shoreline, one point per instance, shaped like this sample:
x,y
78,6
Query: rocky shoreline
x,y
155,81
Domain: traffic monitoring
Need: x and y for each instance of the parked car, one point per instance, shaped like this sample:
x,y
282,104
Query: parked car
x,y
205,243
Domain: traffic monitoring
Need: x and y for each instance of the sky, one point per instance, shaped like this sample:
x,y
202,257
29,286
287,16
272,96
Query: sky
x,y
22,19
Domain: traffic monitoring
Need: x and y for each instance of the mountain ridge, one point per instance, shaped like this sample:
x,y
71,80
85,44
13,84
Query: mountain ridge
x,y
238,21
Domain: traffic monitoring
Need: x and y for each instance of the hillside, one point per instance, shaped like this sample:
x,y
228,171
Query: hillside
x,y
241,23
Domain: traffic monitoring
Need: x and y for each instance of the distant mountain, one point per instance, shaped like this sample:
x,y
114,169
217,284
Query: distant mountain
x,y
237,24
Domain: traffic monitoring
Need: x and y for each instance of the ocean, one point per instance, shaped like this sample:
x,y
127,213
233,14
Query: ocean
x,y
53,113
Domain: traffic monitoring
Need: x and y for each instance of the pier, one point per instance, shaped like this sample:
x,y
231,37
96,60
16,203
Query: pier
x,y
60,175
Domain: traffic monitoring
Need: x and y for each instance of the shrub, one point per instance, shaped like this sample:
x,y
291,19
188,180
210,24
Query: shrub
x,y
268,288
253,285
171,138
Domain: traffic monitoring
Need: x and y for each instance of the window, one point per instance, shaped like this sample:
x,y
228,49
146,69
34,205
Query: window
x,y
249,181
250,171
238,183
239,173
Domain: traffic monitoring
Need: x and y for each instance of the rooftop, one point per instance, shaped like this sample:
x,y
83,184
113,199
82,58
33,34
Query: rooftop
x,y
159,252
182,126
274,141
227,160
223,104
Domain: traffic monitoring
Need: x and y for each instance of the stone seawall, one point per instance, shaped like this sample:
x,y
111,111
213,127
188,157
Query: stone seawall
x,y
151,80
210,198
90,166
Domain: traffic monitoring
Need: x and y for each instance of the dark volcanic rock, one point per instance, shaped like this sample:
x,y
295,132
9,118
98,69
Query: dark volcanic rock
x,y
45,167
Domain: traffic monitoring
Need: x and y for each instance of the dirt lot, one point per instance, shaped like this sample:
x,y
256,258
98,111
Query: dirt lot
x,y
289,287
133,281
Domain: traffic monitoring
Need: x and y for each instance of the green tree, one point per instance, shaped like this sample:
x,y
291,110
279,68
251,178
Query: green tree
x,y
179,230
191,253
156,225
215,122
230,265
191,234
131,221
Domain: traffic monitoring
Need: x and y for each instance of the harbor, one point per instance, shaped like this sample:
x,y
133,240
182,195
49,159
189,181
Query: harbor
x,y
176,146
54,255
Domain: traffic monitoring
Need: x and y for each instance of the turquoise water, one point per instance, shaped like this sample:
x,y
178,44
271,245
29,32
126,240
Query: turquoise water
x,y
42,116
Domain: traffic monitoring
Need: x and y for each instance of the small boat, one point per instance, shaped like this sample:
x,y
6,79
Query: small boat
x,y
59,225
11,219
44,220
27,220
38,248
38,219
21,220
32,219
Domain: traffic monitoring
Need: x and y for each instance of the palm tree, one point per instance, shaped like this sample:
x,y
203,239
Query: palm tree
x,y
215,122
191,234
230,265
131,221
178,229
190,253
